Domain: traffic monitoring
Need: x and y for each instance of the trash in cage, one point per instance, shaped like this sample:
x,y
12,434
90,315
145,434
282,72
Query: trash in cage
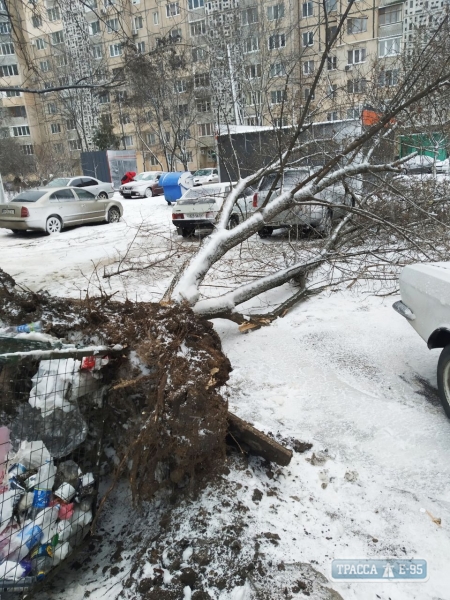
x,y
50,436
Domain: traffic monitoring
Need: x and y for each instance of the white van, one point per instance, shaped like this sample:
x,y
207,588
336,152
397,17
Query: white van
x,y
199,207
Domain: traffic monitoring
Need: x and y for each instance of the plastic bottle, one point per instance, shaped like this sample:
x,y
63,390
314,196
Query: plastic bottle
x,y
46,520
44,482
60,553
40,566
22,542
25,328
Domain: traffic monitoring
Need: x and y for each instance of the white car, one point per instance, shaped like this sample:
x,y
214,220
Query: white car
x,y
206,176
102,189
199,206
145,185
443,166
53,209
425,303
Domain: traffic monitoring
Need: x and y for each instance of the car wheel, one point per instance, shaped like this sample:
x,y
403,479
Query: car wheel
x,y
443,379
233,222
113,215
265,232
148,193
17,231
103,195
53,225
187,232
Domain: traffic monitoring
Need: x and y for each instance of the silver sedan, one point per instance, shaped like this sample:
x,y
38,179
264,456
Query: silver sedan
x,y
53,209
95,186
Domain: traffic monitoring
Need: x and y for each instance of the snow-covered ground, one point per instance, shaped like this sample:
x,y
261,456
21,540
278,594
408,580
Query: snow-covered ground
x,y
341,371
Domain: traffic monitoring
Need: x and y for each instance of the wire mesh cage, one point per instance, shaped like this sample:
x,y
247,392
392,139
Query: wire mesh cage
x,y
51,428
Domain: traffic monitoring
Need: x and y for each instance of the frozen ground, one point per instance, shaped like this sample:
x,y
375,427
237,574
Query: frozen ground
x,y
343,372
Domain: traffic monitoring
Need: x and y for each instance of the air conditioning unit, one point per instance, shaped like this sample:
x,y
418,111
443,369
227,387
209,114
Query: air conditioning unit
x,y
348,67
134,32
33,42
104,11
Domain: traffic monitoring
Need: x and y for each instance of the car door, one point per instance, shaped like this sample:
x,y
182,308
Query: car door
x,y
215,176
157,188
77,182
66,205
91,185
94,209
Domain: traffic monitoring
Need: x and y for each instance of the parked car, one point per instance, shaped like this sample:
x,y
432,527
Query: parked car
x,y
443,166
145,185
206,176
418,164
425,303
51,210
301,217
199,206
95,186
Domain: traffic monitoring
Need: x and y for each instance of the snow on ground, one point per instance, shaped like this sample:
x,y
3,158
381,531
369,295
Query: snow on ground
x,y
342,371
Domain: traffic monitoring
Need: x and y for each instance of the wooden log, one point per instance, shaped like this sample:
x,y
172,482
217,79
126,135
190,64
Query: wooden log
x,y
257,442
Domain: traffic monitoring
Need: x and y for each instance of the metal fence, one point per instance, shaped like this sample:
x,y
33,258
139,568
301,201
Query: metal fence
x,y
51,428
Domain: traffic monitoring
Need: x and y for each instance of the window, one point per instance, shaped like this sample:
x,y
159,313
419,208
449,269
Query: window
x,y
55,128
127,140
7,48
10,94
74,145
203,105
356,56
121,96
107,118
175,35
125,119
27,149
308,67
5,27
183,110
21,131
353,113
180,85
36,21
253,71
307,94
307,9
90,5
140,47
70,125
172,9
277,70
154,160
58,148
118,75
53,14
307,38
94,27
277,96
40,44
103,98
389,47
48,85
333,91
388,78
86,195
356,86
278,40
331,63
249,16
333,116
44,66
275,12
252,121
64,80
115,50
61,60
138,22
97,51
280,122
151,138
155,18
201,80
193,4
390,14
251,44
62,196
330,5
188,156
205,129
57,37
330,34
167,136
357,25
17,111
254,99
198,28
198,54
9,71
112,25
51,108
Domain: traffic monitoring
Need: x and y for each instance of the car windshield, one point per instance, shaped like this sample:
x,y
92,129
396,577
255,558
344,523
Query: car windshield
x,y
291,178
32,196
140,176
149,177
202,172
201,192
61,182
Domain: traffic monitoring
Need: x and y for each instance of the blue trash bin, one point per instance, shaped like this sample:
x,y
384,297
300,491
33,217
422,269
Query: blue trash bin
x,y
174,185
